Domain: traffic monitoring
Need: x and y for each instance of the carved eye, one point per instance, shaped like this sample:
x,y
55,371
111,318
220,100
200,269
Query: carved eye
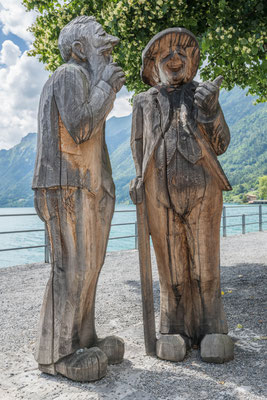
x,y
101,33
181,52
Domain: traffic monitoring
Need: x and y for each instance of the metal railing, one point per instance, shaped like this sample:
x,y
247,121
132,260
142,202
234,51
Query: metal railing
x,y
46,241
243,223
243,218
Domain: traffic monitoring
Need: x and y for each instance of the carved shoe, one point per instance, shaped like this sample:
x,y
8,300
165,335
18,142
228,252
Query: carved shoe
x,y
113,347
171,348
217,348
84,365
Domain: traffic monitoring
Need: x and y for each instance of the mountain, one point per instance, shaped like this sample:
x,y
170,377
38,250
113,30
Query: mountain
x,y
246,157
244,161
16,170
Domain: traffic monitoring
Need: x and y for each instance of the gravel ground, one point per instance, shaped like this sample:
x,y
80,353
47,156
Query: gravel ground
x,y
244,262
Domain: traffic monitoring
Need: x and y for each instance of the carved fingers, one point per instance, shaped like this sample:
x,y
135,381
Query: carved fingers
x,y
114,76
207,94
136,190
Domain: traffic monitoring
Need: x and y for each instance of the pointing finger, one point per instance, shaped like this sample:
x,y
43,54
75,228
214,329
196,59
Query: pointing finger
x,y
218,81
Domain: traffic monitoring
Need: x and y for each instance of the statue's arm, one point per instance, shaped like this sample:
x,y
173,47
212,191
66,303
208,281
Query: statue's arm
x,y
136,185
137,134
215,130
210,117
81,106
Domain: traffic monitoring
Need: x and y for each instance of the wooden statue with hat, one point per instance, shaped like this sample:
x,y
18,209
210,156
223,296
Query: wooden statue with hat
x,y
178,130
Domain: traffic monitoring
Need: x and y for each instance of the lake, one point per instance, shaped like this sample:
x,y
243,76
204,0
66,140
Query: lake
x,y
123,214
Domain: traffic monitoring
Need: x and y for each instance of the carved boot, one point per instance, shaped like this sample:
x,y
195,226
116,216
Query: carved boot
x,y
85,365
217,348
171,348
113,347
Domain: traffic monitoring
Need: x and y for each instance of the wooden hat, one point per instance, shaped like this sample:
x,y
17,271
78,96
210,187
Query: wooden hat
x,y
162,40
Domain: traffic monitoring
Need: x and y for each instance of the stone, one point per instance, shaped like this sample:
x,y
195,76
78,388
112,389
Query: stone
x,y
85,365
217,348
171,348
113,347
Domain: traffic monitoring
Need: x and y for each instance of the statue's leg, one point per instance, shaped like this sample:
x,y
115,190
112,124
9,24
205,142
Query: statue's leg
x,y
212,325
204,222
170,346
187,245
195,256
78,225
164,239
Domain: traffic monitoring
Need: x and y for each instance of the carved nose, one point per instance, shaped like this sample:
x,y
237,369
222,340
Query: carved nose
x,y
176,59
114,40
175,62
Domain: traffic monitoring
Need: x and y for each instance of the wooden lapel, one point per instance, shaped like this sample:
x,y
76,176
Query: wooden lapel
x,y
164,105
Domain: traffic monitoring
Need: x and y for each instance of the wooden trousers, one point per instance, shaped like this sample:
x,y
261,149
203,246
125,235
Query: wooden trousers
x,y
187,248
78,225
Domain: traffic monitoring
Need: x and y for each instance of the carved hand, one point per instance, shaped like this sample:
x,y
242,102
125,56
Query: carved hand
x,y
114,76
206,96
136,190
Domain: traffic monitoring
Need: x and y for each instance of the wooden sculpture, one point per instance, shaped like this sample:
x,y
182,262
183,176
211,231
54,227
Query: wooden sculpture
x,y
178,129
75,197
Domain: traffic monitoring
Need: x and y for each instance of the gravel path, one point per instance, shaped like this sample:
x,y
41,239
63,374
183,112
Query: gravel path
x,y
244,262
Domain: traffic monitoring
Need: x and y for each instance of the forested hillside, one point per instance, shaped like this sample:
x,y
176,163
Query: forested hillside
x,y
246,158
244,161
16,170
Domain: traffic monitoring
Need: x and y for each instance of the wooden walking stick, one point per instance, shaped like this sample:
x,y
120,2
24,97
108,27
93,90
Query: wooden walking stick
x,y
146,278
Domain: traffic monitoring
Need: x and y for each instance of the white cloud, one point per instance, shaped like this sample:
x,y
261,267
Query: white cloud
x,y
20,86
22,79
122,107
21,82
15,19
10,53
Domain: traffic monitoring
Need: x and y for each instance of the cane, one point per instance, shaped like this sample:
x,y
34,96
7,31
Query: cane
x,y
146,278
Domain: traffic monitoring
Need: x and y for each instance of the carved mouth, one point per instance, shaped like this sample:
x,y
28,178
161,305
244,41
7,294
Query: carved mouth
x,y
106,50
175,67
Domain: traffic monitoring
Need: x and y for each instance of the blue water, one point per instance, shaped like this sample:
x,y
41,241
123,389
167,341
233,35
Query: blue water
x,y
8,258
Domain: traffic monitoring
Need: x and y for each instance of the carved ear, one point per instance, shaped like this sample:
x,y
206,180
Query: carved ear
x,y
78,50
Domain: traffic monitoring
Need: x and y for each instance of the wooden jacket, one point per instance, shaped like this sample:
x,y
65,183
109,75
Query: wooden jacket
x,y
71,147
151,119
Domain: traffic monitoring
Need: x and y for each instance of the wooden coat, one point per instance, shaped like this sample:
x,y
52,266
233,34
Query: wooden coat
x,y
72,111
151,119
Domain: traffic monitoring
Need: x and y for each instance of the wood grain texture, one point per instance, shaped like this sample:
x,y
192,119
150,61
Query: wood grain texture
x,y
171,348
113,347
178,129
146,279
75,196
85,365
217,348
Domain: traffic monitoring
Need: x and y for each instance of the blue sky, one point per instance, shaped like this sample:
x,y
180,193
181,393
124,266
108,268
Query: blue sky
x,y
14,38
22,77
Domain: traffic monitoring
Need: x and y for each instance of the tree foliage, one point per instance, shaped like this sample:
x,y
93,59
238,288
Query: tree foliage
x,y
263,187
231,34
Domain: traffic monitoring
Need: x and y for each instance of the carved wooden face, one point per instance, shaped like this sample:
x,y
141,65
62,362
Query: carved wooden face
x,y
173,66
102,41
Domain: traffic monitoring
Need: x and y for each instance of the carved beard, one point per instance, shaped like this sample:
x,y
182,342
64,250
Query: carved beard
x,y
97,58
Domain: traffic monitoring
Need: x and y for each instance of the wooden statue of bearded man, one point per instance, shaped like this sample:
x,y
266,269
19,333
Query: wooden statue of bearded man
x,y
75,197
178,130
